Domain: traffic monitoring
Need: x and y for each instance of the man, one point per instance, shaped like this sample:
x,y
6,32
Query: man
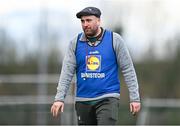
x,y
95,55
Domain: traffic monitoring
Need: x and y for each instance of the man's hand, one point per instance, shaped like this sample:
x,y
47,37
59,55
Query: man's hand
x,y
135,107
56,107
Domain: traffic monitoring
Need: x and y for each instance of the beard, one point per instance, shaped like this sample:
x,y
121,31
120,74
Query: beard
x,y
90,31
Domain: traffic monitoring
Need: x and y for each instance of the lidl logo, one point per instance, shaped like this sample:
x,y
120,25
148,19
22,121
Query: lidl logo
x,y
93,63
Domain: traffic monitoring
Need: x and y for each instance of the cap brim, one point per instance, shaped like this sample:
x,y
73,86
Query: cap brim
x,y
80,14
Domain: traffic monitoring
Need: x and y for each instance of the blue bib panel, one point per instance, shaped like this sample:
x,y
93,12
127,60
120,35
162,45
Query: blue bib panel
x,y
97,68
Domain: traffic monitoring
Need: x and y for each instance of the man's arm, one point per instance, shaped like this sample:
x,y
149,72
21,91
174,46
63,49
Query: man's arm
x,y
67,71
126,65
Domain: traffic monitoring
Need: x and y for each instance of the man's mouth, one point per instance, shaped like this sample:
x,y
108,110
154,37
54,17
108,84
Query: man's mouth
x,y
87,29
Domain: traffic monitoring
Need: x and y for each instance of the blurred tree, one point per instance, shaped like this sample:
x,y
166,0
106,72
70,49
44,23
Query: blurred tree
x,y
172,74
150,55
119,30
7,48
55,57
161,78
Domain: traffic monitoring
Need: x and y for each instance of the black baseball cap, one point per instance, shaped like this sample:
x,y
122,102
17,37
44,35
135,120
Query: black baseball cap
x,y
89,11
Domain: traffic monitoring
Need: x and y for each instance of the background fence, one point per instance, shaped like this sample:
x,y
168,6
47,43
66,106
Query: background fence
x,y
28,108
24,106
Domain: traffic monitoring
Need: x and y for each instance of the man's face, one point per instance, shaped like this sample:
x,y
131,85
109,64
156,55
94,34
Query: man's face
x,y
90,25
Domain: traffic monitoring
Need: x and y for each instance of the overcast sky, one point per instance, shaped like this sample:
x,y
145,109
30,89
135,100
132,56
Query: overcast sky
x,y
144,21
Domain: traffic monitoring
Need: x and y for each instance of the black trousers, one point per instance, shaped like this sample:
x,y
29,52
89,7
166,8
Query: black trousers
x,y
104,112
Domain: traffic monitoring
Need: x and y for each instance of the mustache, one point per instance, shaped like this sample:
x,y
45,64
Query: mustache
x,y
87,27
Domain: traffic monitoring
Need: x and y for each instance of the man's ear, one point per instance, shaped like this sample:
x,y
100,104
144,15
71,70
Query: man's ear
x,y
98,21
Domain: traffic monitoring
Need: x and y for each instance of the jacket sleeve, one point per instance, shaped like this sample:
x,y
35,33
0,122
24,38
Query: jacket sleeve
x,y
67,71
126,66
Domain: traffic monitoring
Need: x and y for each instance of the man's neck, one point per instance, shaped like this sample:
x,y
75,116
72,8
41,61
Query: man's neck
x,y
95,38
98,32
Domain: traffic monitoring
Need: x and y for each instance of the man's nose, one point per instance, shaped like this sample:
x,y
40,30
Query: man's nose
x,y
85,24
